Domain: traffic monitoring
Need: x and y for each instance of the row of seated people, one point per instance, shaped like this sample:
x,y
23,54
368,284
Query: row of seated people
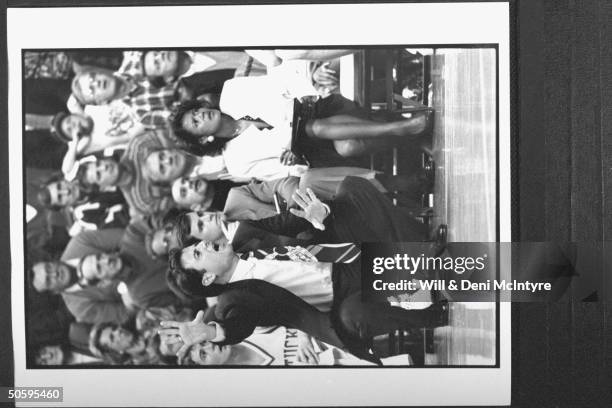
x,y
336,133
318,283
232,168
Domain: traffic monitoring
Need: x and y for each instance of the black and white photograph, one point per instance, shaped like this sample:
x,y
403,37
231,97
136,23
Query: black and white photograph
x,y
192,207
182,175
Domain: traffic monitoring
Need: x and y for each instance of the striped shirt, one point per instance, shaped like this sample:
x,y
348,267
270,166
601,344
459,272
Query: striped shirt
x,y
142,196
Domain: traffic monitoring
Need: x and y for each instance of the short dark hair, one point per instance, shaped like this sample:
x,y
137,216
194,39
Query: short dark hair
x,y
154,81
100,350
192,141
169,219
187,283
44,196
171,216
182,230
86,186
160,81
38,358
80,177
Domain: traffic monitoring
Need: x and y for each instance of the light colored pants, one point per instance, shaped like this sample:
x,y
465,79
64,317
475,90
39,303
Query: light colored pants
x,y
255,201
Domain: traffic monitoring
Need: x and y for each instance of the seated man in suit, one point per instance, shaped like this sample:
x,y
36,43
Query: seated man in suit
x,y
359,213
184,228
246,304
211,226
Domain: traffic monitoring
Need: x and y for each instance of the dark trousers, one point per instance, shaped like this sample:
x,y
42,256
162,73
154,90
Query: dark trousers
x,y
247,304
356,322
364,214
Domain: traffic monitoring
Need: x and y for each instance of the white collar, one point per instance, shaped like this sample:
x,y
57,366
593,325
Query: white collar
x,y
74,288
229,229
242,268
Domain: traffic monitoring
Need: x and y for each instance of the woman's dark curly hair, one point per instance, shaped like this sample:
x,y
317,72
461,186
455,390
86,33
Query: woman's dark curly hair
x,y
187,283
195,144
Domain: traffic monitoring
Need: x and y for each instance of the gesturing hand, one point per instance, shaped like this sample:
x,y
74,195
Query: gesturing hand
x,y
288,158
325,76
189,333
306,352
314,211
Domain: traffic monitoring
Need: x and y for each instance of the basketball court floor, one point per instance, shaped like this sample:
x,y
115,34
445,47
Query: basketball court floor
x,y
463,94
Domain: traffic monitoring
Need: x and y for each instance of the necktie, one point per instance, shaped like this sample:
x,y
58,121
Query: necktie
x,y
334,253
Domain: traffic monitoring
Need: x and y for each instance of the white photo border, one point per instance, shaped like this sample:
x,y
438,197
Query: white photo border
x,y
260,25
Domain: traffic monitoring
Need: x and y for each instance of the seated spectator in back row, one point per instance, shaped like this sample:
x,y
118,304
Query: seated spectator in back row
x,y
162,67
53,355
143,196
93,304
107,257
119,345
98,86
143,277
89,210
96,129
199,194
159,238
153,97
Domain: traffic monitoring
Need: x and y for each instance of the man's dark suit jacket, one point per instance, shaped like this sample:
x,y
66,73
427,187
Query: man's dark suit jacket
x,y
246,304
251,236
359,213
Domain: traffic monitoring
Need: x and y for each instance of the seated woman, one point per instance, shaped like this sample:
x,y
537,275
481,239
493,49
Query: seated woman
x,y
61,354
198,194
240,163
334,129
119,345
